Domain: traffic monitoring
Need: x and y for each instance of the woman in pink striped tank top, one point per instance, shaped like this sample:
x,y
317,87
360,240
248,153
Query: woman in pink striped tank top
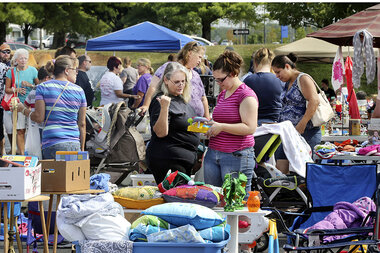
x,y
234,122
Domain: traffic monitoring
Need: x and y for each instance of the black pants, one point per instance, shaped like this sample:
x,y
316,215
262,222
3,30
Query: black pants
x,y
160,167
1,124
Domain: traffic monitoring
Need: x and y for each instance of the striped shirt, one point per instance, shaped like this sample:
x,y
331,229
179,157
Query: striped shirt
x,y
227,111
62,125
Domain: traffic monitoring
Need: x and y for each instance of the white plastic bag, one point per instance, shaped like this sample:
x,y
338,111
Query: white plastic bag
x,y
33,140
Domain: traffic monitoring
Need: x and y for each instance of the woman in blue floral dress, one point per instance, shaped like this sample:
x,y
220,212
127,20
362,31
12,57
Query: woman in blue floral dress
x,y
294,103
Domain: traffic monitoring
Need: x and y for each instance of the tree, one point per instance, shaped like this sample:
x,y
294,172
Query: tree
x,y
63,18
319,15
9,13
188,17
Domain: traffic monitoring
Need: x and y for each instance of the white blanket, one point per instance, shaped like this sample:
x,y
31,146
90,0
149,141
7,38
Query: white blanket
x,y
296,149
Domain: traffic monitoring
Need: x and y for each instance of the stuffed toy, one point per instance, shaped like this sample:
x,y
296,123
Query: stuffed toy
x,y
234,191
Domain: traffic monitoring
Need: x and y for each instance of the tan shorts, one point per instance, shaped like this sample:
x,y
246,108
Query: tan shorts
x,y
21,121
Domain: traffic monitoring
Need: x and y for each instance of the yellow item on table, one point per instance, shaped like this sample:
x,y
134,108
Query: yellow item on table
x,y
197,125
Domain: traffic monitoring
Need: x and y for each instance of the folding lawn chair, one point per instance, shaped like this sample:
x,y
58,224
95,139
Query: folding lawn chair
x,y
327,185
34,222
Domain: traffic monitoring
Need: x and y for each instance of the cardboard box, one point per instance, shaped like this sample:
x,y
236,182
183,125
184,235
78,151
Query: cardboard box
x,y
65,176
143,179
20,183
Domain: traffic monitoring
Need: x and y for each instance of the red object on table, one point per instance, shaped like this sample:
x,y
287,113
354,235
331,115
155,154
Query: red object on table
x,y
351,98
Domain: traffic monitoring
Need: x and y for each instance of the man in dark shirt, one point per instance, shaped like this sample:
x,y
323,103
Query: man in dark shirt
x,y
328,91
82,78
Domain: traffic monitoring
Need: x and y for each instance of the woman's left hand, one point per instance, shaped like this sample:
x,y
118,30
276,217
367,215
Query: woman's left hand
x,y
26,84
214,130
300,127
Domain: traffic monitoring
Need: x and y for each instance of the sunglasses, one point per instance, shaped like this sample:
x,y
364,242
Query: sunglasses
x,y
6,51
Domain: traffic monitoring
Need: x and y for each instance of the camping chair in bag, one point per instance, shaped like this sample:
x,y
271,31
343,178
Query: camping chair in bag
x,y
328,185
269,180
118,146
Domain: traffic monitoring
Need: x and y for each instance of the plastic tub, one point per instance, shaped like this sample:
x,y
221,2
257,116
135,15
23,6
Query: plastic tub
x,y
165,247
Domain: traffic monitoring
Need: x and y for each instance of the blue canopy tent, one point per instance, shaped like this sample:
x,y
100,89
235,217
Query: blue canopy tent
x,y
143,37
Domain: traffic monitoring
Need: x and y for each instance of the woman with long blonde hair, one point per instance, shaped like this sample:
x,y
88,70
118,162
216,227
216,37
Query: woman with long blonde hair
x,y
171,147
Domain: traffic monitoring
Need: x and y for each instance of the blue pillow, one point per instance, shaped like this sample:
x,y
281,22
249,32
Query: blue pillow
x,y
180,214
216,234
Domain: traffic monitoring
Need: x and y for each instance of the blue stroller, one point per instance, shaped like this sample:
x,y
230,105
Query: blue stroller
x,y
327,185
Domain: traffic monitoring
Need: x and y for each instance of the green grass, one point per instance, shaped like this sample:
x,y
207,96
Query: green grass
x,y
318,71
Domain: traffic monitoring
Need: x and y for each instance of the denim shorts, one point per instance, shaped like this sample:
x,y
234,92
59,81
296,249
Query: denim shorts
x,y
217,164
49,152
312,136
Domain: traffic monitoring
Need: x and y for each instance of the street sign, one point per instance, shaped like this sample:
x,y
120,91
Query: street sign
x,y
241,31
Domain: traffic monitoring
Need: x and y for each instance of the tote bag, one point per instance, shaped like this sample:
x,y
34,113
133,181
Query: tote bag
x,y
33,140
324,111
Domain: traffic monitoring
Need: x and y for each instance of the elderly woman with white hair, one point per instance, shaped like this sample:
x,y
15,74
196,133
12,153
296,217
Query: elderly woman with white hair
x,y
19,80
172,147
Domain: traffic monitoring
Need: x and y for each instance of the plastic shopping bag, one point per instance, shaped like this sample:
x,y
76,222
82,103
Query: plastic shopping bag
x,y
33,140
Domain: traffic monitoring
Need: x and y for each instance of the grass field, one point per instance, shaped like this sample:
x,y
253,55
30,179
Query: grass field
x,y
318,71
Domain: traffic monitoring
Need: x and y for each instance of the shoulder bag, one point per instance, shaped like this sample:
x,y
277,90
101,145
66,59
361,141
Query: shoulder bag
x,y
6,102
324,111
67,84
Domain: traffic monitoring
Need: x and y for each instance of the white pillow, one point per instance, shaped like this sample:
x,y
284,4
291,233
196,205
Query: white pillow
x,y
101,227
68,231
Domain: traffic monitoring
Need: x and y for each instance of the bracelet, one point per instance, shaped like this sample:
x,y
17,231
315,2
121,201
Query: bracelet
x,y
23,111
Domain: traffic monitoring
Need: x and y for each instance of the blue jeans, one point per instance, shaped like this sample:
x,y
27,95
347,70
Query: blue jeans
x,y
217,164
312,136
49,152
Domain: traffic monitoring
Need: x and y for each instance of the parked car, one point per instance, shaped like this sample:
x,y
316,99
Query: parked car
x,y
226,43
201,40
76,41
16,45
47,42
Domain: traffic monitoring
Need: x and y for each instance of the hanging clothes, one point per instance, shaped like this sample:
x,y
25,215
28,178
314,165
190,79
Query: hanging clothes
x,y
337,70
353,110
359,44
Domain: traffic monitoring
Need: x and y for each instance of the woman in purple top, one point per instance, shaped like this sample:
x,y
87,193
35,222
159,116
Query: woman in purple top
x,y
234,122
190,56
145,71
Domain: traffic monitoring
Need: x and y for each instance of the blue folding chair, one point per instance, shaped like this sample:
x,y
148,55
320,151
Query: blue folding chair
x,y
327,185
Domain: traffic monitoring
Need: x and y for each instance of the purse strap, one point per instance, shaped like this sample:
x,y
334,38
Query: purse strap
x,y
13,82
64,88
316,85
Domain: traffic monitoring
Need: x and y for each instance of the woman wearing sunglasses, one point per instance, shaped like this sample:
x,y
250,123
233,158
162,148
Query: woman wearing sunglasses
x,y
171,147
234,122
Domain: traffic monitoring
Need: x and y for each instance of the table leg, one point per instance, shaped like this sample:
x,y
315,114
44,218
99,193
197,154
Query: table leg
x,y
233,244
5,213
11,227
49,213
55,226
43,224
19,244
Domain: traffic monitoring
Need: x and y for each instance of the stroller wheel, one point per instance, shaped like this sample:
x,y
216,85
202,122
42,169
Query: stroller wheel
x,y
262,243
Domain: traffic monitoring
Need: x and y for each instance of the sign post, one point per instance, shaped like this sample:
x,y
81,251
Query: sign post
x,y
241,31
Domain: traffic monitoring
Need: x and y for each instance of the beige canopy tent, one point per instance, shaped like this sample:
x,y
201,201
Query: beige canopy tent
x,y
313,50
